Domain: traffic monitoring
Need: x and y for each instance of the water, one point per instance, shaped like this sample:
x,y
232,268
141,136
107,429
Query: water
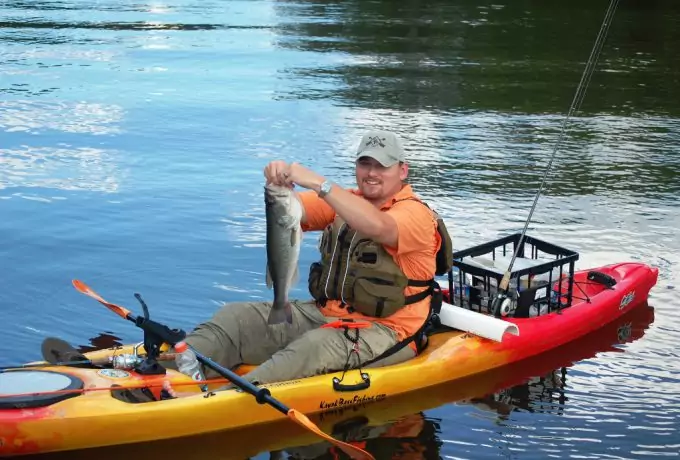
x,y
133,137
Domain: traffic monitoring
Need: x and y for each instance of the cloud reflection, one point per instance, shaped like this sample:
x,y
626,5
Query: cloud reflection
x,y
63,168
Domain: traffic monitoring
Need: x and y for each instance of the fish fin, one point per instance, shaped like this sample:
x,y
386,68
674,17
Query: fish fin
x,y
268,278
295,236
281,315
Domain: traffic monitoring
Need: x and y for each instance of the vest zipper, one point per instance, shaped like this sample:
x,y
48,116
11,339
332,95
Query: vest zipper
x,y
330,268
341,239
344,278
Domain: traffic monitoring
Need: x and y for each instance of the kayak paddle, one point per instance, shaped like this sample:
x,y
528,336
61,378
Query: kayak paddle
x,y
262,395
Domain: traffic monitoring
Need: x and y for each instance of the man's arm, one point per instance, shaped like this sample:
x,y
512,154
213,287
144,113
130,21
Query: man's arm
x,y
362,216
356,211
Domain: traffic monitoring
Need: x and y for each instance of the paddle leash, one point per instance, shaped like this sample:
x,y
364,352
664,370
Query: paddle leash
x,y
155,330
501,298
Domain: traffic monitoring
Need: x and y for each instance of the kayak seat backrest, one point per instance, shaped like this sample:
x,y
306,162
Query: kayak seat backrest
x,y
36,388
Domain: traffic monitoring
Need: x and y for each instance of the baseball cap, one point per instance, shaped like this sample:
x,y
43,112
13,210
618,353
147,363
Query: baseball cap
x,y
383,146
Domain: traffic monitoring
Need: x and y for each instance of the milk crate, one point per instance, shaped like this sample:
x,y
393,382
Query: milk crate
x,y
538,271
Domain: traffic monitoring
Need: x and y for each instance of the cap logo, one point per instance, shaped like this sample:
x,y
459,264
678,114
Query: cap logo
x,y
374,141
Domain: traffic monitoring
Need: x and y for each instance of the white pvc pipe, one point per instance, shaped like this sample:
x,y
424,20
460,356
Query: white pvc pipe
x,y
476,323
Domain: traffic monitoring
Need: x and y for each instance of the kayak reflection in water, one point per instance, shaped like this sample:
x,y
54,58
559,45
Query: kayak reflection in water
x,y
378,249
539,394
414,436
410,437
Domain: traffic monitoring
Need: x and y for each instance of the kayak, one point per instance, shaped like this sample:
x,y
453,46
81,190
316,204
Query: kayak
x,y
67,407
503,389
89,404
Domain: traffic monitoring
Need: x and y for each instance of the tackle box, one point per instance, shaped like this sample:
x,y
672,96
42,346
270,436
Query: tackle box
x,y
478,270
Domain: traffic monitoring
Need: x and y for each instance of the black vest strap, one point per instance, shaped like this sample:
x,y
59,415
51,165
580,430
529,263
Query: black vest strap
x,y
421,295
435,307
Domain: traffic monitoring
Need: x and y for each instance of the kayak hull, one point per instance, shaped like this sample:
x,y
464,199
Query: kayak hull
x,y
94,418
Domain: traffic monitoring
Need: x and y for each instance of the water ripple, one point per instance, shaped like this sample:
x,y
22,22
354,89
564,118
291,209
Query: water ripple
x,y
72,117
63,168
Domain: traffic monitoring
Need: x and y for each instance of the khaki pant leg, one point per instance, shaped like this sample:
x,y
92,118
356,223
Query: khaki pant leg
x,y
238,333
319,351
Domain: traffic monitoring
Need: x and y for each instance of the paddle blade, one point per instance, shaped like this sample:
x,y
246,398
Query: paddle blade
x,y
85,289
58,351
349,449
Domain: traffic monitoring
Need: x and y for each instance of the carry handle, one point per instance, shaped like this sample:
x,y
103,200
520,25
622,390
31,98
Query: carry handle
x,y
337,386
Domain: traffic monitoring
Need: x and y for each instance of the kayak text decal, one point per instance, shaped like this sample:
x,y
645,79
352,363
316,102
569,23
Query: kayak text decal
x,y
114,373
628,298
340,402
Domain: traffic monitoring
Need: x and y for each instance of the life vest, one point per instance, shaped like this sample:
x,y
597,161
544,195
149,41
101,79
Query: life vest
x,y
360,273
444,257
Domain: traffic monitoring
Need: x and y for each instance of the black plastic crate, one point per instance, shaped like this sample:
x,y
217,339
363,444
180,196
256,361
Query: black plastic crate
x,y
539,265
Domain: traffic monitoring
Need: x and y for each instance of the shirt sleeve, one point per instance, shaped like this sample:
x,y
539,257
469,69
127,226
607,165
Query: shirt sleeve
x,y
416,228
318,213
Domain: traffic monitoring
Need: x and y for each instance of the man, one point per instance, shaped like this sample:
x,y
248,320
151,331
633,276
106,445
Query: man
x,y
378,263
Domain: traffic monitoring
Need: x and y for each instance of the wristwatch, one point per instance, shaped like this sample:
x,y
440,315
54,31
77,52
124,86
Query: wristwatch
x,y
325,188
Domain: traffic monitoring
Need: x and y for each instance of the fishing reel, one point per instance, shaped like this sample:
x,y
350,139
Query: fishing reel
x,y
127,361
502,305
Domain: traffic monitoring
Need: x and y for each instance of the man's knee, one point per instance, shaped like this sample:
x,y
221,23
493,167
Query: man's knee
x,y
220,337
318,351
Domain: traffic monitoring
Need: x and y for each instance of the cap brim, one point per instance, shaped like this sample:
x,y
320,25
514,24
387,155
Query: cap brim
x,y
379,157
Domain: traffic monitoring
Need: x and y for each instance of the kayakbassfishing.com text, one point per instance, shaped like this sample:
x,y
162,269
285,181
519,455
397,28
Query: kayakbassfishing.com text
x,y
350,402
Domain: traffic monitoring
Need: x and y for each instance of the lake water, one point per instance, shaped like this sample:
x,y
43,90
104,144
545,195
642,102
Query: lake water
x,y
133,137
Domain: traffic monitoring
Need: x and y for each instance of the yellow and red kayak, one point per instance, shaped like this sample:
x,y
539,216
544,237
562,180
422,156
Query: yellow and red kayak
x,y
66,407
489,391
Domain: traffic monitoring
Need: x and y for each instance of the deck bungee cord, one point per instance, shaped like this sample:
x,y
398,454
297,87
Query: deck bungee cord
x,y
501,298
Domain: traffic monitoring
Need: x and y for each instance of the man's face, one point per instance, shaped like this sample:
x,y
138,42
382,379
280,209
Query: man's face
x,y
376,182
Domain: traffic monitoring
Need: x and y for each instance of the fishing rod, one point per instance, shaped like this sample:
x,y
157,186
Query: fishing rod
x,y
501,300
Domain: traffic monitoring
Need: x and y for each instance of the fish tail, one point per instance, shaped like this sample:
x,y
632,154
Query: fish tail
x,y
280,315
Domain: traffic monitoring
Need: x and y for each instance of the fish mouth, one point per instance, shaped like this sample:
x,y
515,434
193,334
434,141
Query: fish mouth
x,y
276,190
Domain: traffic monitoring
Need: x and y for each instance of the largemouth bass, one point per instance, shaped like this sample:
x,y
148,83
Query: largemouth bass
x,y
284,236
